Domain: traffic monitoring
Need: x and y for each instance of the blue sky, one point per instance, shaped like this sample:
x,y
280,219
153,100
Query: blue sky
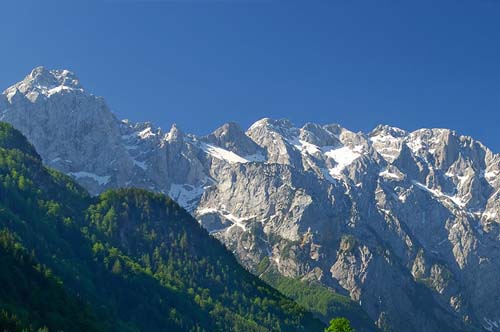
x,y
201,63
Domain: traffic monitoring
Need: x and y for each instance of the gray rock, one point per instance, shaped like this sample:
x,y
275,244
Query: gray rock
x,y
406,224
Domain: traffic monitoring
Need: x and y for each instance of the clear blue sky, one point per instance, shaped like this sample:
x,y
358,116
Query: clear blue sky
x,y
199,64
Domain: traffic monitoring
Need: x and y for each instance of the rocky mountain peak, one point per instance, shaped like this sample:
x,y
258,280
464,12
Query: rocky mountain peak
x,y
174,134
44,82
42,77
281,126
386,130
349,210
231,137
319,135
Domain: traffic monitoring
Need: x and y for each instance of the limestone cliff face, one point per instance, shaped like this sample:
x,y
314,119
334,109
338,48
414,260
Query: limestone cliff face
x,y
407,224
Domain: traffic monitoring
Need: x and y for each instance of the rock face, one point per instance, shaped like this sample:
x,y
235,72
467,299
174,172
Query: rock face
x,y
407,224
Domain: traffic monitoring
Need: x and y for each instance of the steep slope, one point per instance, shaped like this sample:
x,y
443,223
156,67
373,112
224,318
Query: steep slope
x,y
405,224
32,298
128,260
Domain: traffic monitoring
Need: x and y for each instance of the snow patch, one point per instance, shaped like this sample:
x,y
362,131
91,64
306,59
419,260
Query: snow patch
x,y
146,133
328,176
236,221
186,195
439,194
223,154
303,146
204,211
386,173
59,89
343,156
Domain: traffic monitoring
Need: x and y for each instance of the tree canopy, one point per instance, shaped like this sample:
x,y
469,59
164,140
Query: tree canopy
x,y
339,325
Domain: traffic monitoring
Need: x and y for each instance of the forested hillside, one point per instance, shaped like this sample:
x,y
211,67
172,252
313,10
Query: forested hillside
x,y
127,260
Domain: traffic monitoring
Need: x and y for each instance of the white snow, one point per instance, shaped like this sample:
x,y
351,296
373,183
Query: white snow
x,y
328,176
59,89
386,173
204,211
101,180
236,221
223,154
146,133
343,156
186,195
303,146
439,194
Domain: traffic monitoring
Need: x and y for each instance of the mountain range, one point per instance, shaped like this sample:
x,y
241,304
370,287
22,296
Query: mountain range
x,y
128,260
405,224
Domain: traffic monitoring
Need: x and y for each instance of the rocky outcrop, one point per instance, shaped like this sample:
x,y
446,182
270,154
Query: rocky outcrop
x,y
406,224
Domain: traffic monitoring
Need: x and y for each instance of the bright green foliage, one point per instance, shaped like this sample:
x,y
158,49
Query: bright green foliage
x,y
10,138
125,261
321,300
339,325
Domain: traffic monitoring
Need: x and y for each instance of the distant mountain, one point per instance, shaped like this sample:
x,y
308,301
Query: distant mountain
x,y
127,260
404,223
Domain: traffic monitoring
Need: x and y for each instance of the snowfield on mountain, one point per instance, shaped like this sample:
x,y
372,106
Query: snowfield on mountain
x,y
404,223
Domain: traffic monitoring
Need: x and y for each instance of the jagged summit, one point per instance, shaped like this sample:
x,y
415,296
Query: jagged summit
x,y
231,137
42,81
42,77
388,130
318,202
278,125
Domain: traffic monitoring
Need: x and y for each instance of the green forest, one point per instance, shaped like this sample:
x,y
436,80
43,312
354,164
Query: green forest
x,y
127,260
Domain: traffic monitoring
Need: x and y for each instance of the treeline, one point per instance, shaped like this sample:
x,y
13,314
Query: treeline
x,y
128,260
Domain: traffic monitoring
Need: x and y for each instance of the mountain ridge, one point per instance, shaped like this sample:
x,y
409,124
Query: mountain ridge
x,y
348,210
127,260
